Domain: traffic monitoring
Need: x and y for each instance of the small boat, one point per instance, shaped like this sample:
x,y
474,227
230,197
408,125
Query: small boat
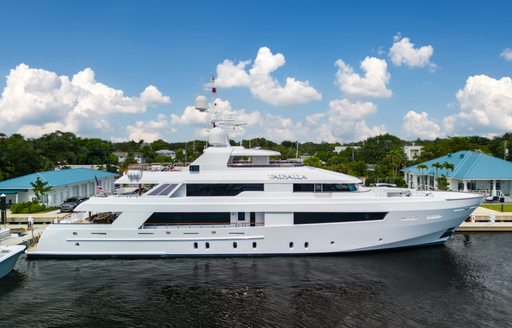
x,y
8,257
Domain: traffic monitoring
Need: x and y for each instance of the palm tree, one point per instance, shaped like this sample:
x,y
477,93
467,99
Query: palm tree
x,y
40,188
420,168
438,166
448,166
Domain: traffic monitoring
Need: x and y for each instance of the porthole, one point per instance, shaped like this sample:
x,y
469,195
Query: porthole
x,y
195,245
167,232
332,242
207,245
254,245
306,245
74,233
291,245
235,245
77,244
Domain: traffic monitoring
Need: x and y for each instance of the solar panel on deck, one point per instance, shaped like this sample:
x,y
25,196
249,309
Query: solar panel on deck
x,y
167,190
158,189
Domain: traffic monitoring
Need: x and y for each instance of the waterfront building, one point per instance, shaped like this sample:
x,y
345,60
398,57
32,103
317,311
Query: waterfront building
x,y
467,171
412,152
63,183
122,156
167,153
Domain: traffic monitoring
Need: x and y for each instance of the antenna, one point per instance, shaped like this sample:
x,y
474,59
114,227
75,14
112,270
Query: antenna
x,y
219,117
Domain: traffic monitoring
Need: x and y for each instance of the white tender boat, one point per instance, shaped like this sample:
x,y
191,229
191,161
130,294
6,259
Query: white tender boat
x,y
233,201
8,257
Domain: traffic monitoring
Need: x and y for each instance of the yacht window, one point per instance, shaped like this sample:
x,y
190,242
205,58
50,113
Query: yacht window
x,y
303,187
221,189
163,218
333,217
241,216
326,187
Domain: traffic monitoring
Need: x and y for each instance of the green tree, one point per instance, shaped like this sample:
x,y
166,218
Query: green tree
x,y
437,166
420,168
40,189
448,166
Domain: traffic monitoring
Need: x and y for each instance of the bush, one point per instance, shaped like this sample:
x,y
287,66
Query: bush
x,y
27,207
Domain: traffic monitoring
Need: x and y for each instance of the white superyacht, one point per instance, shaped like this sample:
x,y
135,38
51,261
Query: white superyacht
x,y
233,201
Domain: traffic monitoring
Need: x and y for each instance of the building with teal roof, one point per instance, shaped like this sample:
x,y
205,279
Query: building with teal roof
x,y
64,184
468,171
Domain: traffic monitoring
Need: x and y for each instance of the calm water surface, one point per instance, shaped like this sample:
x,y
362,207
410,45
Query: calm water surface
x,y
466,283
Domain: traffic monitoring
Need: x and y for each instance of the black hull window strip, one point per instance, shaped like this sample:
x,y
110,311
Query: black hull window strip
x,y
333,217
189,218
221,189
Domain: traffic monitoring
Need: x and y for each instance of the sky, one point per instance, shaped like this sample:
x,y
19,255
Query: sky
x,y
333,71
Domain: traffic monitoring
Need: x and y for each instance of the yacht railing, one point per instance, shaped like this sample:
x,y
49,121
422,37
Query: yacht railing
x,y
271,164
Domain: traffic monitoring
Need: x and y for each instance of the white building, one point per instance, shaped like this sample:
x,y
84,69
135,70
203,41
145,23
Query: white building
x,y
472,171
167,153
412,152
122,156
63,183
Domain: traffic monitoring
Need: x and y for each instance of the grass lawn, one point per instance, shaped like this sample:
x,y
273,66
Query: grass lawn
x,y
497,207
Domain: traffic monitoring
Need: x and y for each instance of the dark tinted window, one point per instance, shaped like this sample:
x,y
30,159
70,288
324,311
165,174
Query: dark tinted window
x,y
241,216
221,189
325,187
193,168
331,217
189,218
303,187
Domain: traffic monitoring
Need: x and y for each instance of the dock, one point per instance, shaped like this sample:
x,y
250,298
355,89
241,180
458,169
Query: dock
x,y
484,219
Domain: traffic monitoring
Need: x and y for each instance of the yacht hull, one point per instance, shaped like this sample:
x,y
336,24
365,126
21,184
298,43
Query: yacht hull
x,y
399,228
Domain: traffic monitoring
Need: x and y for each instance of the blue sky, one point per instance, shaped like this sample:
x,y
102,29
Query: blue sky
x,y
131,69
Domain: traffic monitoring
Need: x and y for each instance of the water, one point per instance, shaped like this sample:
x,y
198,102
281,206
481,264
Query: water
x,y
466,283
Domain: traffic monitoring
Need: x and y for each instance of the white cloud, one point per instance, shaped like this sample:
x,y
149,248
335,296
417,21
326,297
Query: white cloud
x,y
342,110
485,107
313,119
363,131
190,116
402,52
260,82
344,122
151,95
374,83
149,131
506,54
36,101
418,125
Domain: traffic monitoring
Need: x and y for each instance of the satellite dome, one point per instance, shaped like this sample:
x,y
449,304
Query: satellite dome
x,y
201,104
218,137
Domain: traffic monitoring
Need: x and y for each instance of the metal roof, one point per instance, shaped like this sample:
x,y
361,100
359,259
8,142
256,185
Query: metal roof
x,y
54,178
468,165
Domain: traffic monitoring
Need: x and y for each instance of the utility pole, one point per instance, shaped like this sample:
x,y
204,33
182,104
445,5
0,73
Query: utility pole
x,y
505,152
